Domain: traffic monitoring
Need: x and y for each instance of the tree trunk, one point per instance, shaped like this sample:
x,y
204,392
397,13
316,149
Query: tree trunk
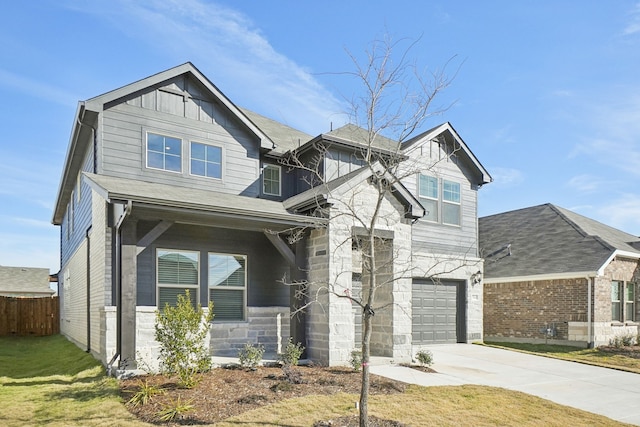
x,y
364,392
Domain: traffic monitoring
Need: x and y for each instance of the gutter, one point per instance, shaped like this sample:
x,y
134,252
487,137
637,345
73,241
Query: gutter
x,y
118,249
88,289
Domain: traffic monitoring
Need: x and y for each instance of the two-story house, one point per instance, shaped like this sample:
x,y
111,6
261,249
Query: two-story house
x,y
168,186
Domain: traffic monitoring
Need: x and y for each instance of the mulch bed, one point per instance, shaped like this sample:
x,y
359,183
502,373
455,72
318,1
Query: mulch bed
x,y
627,351
226,392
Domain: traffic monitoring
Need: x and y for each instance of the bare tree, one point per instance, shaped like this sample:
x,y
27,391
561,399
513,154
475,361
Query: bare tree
x,y
396,100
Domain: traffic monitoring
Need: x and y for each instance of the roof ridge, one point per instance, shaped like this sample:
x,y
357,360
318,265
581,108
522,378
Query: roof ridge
x,y
579,229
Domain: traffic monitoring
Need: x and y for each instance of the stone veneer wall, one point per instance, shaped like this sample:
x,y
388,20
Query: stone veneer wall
x,y
268,326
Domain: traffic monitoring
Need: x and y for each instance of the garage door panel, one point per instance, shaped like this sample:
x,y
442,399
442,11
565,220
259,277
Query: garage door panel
x,y
434,312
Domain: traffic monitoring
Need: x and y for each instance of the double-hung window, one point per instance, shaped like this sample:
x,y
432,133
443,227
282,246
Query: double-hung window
x,y
271,179
428,192
164,152
441,200
623,301
177,271
206,160
450,202
227,286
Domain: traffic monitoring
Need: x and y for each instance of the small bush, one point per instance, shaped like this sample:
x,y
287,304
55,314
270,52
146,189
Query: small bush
x,y
144,394
628,340
291,354
173,410
356,360
250,356
181,332
424,357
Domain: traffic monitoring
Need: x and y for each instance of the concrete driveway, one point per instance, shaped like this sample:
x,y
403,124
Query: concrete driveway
x,y
607,392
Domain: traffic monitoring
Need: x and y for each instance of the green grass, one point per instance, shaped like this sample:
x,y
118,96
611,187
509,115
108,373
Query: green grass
x,y
591,356
50,382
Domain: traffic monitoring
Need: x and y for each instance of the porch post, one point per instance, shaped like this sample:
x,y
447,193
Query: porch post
x,y
128,271
298,274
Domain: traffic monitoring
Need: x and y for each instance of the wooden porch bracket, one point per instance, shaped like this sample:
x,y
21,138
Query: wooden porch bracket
x,y
152,235
283,248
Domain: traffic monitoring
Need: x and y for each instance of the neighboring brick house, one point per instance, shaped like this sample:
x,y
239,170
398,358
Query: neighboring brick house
x,y
553,274
168,185
27,282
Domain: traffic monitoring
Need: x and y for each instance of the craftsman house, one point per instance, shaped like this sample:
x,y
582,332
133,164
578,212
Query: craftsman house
x,y
168,185
551,274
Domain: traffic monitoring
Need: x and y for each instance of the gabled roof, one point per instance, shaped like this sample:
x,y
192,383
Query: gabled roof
x,y
351,136
327,192
547,240
25,281
452,137
88,110
284,137
170,197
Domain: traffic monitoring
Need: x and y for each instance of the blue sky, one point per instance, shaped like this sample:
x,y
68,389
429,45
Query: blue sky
x,y
547,94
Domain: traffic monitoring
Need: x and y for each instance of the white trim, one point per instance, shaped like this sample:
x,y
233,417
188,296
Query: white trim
x,y
236,288
189,158
158,285
146,151
536,277
615,254
279,168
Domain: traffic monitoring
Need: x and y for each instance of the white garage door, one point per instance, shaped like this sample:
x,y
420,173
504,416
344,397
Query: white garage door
x,y
436,318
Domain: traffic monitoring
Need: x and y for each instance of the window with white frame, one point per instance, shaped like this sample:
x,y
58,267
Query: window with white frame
x,y
177,271
441,200
450,202
206,160
164,152
271,180
622,301
227,286
428,193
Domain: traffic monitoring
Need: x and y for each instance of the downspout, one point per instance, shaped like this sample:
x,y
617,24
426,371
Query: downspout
x,y
88,289
118,277
590,343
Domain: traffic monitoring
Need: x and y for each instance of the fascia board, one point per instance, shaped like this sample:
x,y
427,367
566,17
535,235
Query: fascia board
x,y
537,277
615,254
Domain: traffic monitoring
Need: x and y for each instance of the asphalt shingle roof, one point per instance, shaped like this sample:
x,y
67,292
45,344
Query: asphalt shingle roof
x,y
547,239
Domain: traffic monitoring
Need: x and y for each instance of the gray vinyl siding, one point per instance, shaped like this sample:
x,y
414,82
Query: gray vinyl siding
x,y
442,238
340,162
266,267
81,213
125,126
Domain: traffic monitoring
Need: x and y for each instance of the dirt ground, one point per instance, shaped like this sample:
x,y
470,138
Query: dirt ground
x,y
225,392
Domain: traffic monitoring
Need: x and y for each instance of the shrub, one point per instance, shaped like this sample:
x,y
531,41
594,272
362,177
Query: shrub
x,y
144,394
181,332
174,409
250,356
356,360
424,357
291,354
627,340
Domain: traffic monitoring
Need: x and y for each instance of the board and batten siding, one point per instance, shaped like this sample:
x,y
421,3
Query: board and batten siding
x,y
265,266
123,141
440,238
74,225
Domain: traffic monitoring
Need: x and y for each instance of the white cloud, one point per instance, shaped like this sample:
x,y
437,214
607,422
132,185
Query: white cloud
x,y
634,22
227,47
506,177
36,88
585,183
622,213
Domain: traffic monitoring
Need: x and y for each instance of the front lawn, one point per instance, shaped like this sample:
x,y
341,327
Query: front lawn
x,y
49,381
623,358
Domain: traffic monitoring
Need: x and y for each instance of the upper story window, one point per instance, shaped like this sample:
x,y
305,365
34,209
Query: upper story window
x,y
450,202
206,160
164,152
227,286
441,200
271,180
428,193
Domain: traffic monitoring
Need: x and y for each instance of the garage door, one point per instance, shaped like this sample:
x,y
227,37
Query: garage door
x,y
436,318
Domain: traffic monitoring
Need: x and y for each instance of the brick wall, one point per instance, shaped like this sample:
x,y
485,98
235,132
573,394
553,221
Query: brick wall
x,y
521,309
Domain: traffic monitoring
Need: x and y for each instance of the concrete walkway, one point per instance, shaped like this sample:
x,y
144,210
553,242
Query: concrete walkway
x,y
607,392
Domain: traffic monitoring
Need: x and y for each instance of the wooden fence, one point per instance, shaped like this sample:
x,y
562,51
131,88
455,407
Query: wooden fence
x,y
29,316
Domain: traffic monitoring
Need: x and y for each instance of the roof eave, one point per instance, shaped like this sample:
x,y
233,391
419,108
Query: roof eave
x,y
538,277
